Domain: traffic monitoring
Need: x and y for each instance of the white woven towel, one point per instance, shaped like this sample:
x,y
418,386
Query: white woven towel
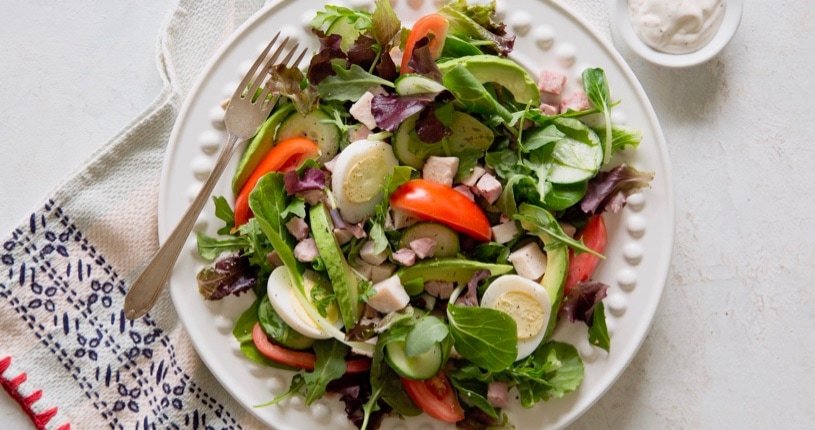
x,y
67,354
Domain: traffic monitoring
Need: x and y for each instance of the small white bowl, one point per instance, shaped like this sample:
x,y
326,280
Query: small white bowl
x,y
622,24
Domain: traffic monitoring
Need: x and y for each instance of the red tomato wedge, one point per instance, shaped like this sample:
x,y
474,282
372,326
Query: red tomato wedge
x,y
583,265
286,155
299,359
436,397
434,25
432,201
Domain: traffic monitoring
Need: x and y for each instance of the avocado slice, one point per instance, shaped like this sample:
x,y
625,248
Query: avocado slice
x,y
554,279
343,279
502,71
260,145
446,269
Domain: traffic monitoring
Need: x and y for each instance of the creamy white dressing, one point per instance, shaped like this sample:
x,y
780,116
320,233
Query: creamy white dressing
x,y
676,26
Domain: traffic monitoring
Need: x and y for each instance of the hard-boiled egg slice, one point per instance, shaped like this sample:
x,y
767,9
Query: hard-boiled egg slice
x,y
526,302
358,177
282,295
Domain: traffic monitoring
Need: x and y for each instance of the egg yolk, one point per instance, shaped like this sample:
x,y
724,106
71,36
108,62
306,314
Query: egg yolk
x,y
524,309
364,179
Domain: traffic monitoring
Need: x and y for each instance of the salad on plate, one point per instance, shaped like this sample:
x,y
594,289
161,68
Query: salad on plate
x,y
417,215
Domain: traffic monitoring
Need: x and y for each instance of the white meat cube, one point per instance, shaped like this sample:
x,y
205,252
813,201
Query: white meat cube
x,y
361,110
578,101
549,110
529,261
298,228
367,254
389,295
363,268
440,289
342,236
551,82
402,219
503,233
404,256
382,271
489,188
424,247
440,169
465,190
306,250
474,176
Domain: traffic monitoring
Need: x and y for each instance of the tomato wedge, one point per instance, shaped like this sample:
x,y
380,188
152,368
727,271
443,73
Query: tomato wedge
x,y
299,359
583,265
436,397
433,24
286,155
432,201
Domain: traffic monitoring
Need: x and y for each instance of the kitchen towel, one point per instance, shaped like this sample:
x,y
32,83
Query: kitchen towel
x,y
68,356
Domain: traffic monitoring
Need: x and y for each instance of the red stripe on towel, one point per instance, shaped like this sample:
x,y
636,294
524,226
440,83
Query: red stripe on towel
x,y
12,386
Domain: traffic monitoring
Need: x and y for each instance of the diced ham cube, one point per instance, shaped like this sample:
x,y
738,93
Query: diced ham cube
x,y
551,82
440,289
312,197
529,261
306,250
367,254
382,271
569,229
389,295
404,256
474,176
440,169
424,247
549,110
503,233
578,101
342,236
488,187
298,228
361,110
498,394
273,258
465,190
360,133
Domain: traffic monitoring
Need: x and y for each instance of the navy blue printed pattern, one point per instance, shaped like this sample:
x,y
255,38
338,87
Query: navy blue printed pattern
x,y
70,299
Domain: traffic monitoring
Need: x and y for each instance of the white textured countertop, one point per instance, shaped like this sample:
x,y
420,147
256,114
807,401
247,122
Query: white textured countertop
x,y
732,345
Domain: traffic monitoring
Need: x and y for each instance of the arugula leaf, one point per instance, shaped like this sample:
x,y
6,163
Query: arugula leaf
x,y
596,87
209,248
348,84
598,331
553,370
295,389
324,19
486,337
475,392
223,211
621,137
329,366
397,177
428,331
538,221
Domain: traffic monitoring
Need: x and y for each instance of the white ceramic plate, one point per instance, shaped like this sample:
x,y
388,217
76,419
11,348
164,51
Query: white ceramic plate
x,y
640,242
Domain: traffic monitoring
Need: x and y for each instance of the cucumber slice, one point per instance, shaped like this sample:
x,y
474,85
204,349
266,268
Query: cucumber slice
x,y
261,144
347,29
414,83
420,367
406,143
447,244
467,133
315,126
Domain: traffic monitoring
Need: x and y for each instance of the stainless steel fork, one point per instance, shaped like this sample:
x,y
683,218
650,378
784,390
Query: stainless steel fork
x,y
245,113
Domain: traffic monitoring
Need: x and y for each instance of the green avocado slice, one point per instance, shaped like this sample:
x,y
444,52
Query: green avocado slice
x,y
502,71
260,145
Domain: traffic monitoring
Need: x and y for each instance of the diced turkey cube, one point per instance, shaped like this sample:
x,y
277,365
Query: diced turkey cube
x,y
498,394
402,219
306,250
367,253
361,110
440,169
363,268
488,187
440,289
549,110
342,236
404,256
578,101
474,176
567,228
465,190
424,247
503,233
382,271
551,82
273,258
298,228
529,261
359,133
389,295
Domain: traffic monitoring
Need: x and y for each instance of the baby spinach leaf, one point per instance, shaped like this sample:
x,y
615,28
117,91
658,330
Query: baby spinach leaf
x,y
223,211
427,332
472,94
487,337
242,330
598,332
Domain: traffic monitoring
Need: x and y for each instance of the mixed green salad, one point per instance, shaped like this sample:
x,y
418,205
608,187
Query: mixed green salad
x,y
417,215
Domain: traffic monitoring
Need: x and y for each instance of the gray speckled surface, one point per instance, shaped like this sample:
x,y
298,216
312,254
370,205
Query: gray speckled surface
x,y
732,345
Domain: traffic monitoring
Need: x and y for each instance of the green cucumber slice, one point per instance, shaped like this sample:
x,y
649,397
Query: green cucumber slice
x,y
414,83
420,367
315,126
447,244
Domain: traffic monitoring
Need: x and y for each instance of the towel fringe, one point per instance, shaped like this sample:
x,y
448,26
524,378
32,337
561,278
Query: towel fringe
x,y
12,385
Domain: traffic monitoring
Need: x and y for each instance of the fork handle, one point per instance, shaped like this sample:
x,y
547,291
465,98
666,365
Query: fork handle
x,y
147,287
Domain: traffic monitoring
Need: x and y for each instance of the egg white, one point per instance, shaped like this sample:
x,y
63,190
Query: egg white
x,y
518,284
282,295
358,177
